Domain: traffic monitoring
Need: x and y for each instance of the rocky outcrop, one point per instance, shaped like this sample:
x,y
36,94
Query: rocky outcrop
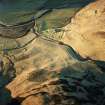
x,y
67,86
7,74
51,76
86,32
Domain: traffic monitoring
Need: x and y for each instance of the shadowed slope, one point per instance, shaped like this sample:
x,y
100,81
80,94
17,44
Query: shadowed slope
x,y
16,31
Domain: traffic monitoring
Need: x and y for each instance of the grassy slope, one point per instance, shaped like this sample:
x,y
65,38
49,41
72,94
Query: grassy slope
x,y
12,12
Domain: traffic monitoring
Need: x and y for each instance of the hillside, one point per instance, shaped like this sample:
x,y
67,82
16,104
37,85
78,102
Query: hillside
x,y
65,65
13,11
86,31
59,15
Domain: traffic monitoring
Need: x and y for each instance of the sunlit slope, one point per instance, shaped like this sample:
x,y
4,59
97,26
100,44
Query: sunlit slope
x,y
43,64
86,32
42,54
